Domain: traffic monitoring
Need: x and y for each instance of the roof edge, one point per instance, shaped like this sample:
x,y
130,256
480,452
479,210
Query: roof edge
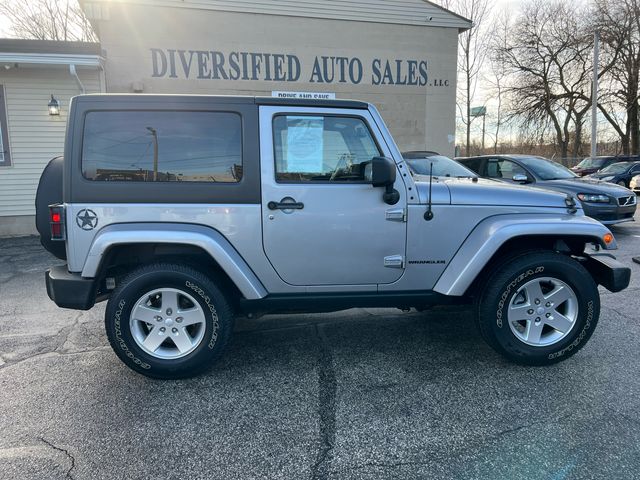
x,y
35,47
458,22
460,17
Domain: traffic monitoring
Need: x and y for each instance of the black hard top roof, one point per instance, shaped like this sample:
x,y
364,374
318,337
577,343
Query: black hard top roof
x,y
296,102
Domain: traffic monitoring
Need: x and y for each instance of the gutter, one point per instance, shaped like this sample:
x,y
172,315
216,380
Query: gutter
x,y
74,74
72,60
52,59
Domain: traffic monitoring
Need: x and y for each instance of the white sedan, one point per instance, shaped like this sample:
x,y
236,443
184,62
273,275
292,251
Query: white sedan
x,y
634,184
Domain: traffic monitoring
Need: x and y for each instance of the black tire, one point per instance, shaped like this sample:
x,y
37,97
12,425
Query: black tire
x,y
501,287
218,323
49,192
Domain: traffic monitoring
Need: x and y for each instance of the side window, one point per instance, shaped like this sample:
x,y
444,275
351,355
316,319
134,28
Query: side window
x,y
504,169
474,164
636,169
162,146
5,154
322,149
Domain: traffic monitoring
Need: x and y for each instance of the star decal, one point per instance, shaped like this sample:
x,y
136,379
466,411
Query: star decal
x,y
87,219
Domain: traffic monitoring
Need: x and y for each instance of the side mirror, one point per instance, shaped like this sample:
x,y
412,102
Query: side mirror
x,y
520,178
383,174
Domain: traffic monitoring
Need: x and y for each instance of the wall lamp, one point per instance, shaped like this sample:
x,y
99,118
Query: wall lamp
x,y
54,106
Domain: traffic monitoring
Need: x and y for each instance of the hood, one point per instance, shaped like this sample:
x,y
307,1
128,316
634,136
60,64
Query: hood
x,y
584,171
600,175
585,185
466,191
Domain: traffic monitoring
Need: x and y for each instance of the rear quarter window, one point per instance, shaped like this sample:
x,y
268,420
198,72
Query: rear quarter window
x,y
474,164
162,146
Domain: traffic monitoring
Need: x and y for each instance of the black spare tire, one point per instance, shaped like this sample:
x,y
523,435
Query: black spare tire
x,y
49,192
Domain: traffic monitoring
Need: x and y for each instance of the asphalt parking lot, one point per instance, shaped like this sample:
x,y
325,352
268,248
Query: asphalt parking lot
x,y
356,394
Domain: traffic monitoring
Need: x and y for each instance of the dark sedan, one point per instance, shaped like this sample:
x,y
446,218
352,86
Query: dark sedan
x,y
591,165
620,173
606,202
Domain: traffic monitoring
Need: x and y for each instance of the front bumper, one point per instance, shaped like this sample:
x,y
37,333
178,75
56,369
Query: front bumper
x,y
70,290
609,214
607,271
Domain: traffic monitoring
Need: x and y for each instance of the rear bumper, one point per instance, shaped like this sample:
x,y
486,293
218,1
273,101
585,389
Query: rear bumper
x,y
70,290
608,272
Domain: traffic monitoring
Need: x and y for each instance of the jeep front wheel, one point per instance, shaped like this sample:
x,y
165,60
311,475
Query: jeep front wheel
x,y
168,321
538,308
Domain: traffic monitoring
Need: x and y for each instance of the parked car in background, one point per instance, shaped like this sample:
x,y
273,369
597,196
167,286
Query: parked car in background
x,y
591,165
634,184
620,173
606,202
420,163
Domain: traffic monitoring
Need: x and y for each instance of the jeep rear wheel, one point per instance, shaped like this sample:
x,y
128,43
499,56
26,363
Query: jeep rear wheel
x,y
538,308
168,321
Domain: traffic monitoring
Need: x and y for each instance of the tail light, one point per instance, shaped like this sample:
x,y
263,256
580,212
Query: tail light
x,y
56,220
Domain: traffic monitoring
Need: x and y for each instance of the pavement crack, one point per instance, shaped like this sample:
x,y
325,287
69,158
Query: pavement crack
x,y
629,418
327,386
628,317
9,278
71,458
388,465
66,332
11,363
529,425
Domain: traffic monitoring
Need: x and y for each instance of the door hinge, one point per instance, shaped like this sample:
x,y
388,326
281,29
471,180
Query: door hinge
x,y
394,261
396,215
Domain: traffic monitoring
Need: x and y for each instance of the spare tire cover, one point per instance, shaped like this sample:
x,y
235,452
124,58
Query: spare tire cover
x,y
50,192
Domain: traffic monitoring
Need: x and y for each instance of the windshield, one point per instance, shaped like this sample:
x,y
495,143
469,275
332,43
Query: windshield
x,y
615,168
442,167
590,162
546,169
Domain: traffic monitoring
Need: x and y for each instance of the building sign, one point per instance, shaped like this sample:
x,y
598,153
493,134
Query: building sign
x,y
280,67
305,95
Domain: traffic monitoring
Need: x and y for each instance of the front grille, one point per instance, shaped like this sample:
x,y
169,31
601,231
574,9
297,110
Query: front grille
x,y
626,201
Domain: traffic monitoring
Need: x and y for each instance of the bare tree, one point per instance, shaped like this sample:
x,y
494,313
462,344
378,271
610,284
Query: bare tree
x,y
61,20
548,57
471,54
618,22
496,76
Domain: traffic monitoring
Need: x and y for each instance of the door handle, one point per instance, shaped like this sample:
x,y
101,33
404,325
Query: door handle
x,y
291,205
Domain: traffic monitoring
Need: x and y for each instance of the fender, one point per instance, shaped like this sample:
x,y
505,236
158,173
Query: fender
x,y
490,234
208,239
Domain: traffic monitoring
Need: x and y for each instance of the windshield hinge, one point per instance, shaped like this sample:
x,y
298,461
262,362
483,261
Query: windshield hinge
x,y
396,215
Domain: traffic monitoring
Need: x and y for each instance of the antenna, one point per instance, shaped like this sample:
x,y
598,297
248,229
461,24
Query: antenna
x,y
428,215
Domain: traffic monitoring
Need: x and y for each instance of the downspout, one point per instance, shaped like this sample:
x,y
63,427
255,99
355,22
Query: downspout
x,y
74,74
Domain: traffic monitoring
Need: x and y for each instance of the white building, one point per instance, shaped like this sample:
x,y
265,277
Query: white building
x,y
31,72
400,55
397,54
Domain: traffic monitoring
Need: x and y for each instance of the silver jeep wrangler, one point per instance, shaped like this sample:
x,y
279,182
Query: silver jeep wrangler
x,y
186,211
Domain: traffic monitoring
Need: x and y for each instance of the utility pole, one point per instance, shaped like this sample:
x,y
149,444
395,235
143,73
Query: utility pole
x,y
594,96
476,112
154,132
484,116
